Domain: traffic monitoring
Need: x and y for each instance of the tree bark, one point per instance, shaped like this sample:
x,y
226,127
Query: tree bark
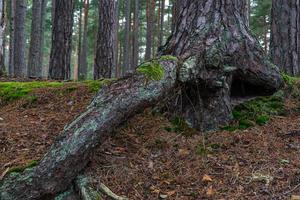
x,y
60,57
215,49
206,38
105,59
79,46
150,28
126,49
83,54
161,28
285,36
34,58
2,36
20,68
135,53
12,4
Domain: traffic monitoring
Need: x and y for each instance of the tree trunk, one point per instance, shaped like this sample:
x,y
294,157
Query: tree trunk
x,y
35,61
79,46
135,53
19,39
105,59
43,22
212,57
126,56
150,28
285,36
83,54
60,57
2,35
12,4
161,28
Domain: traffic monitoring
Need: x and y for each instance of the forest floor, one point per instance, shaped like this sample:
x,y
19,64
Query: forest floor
x,y
148,159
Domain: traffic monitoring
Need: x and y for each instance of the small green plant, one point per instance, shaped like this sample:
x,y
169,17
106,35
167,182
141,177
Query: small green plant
x,y
289,80
179,125
262,119
152,70
19,169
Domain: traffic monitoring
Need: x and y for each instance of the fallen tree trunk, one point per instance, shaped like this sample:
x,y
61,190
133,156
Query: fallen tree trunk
x,y
69,155
219,58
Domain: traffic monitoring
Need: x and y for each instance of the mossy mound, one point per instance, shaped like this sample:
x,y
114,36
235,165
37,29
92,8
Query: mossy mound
x,y
256,112
11,91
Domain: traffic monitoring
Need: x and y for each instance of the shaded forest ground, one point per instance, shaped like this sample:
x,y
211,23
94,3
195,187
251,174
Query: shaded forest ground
x,y
151,157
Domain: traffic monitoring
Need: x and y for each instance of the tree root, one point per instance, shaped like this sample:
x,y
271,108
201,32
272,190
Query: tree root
x,y
86,189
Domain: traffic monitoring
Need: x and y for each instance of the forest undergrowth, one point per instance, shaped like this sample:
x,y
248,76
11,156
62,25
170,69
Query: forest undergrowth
x,y
151,157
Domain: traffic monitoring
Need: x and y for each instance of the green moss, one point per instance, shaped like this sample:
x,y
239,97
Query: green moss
x,y
19,169
289,80
10,91
96,85
152,70
257,111
168,57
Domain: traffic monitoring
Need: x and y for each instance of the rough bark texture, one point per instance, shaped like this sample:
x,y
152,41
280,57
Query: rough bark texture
x,y
83,65
19,39
285,36
60,57
216,48
135,53
35,60
150,28
2,35
11,9
105,59
69,154
126,49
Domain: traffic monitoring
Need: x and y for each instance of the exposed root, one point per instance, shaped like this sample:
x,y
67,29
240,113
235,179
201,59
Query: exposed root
x,y
105,190
87,191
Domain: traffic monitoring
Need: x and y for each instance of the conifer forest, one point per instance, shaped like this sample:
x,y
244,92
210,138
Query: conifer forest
x,y
149,99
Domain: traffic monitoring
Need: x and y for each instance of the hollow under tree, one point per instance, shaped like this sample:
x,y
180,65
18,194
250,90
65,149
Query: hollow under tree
x,y
217,56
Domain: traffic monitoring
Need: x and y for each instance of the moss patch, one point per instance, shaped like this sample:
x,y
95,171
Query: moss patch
x,y
256,112
19,169
11,91
152,70
168,57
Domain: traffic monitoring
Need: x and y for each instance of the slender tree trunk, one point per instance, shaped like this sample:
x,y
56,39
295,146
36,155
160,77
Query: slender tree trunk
x,y
135,53
285,36
83,61
126,56
19,39
60,57
105,59
118,48
150,28
79,46
208,65
11,36
2,36
34,58
162,17
43,22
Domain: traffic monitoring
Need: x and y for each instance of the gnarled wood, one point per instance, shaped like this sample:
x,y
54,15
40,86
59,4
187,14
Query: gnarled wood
x,y
69,154
216,51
